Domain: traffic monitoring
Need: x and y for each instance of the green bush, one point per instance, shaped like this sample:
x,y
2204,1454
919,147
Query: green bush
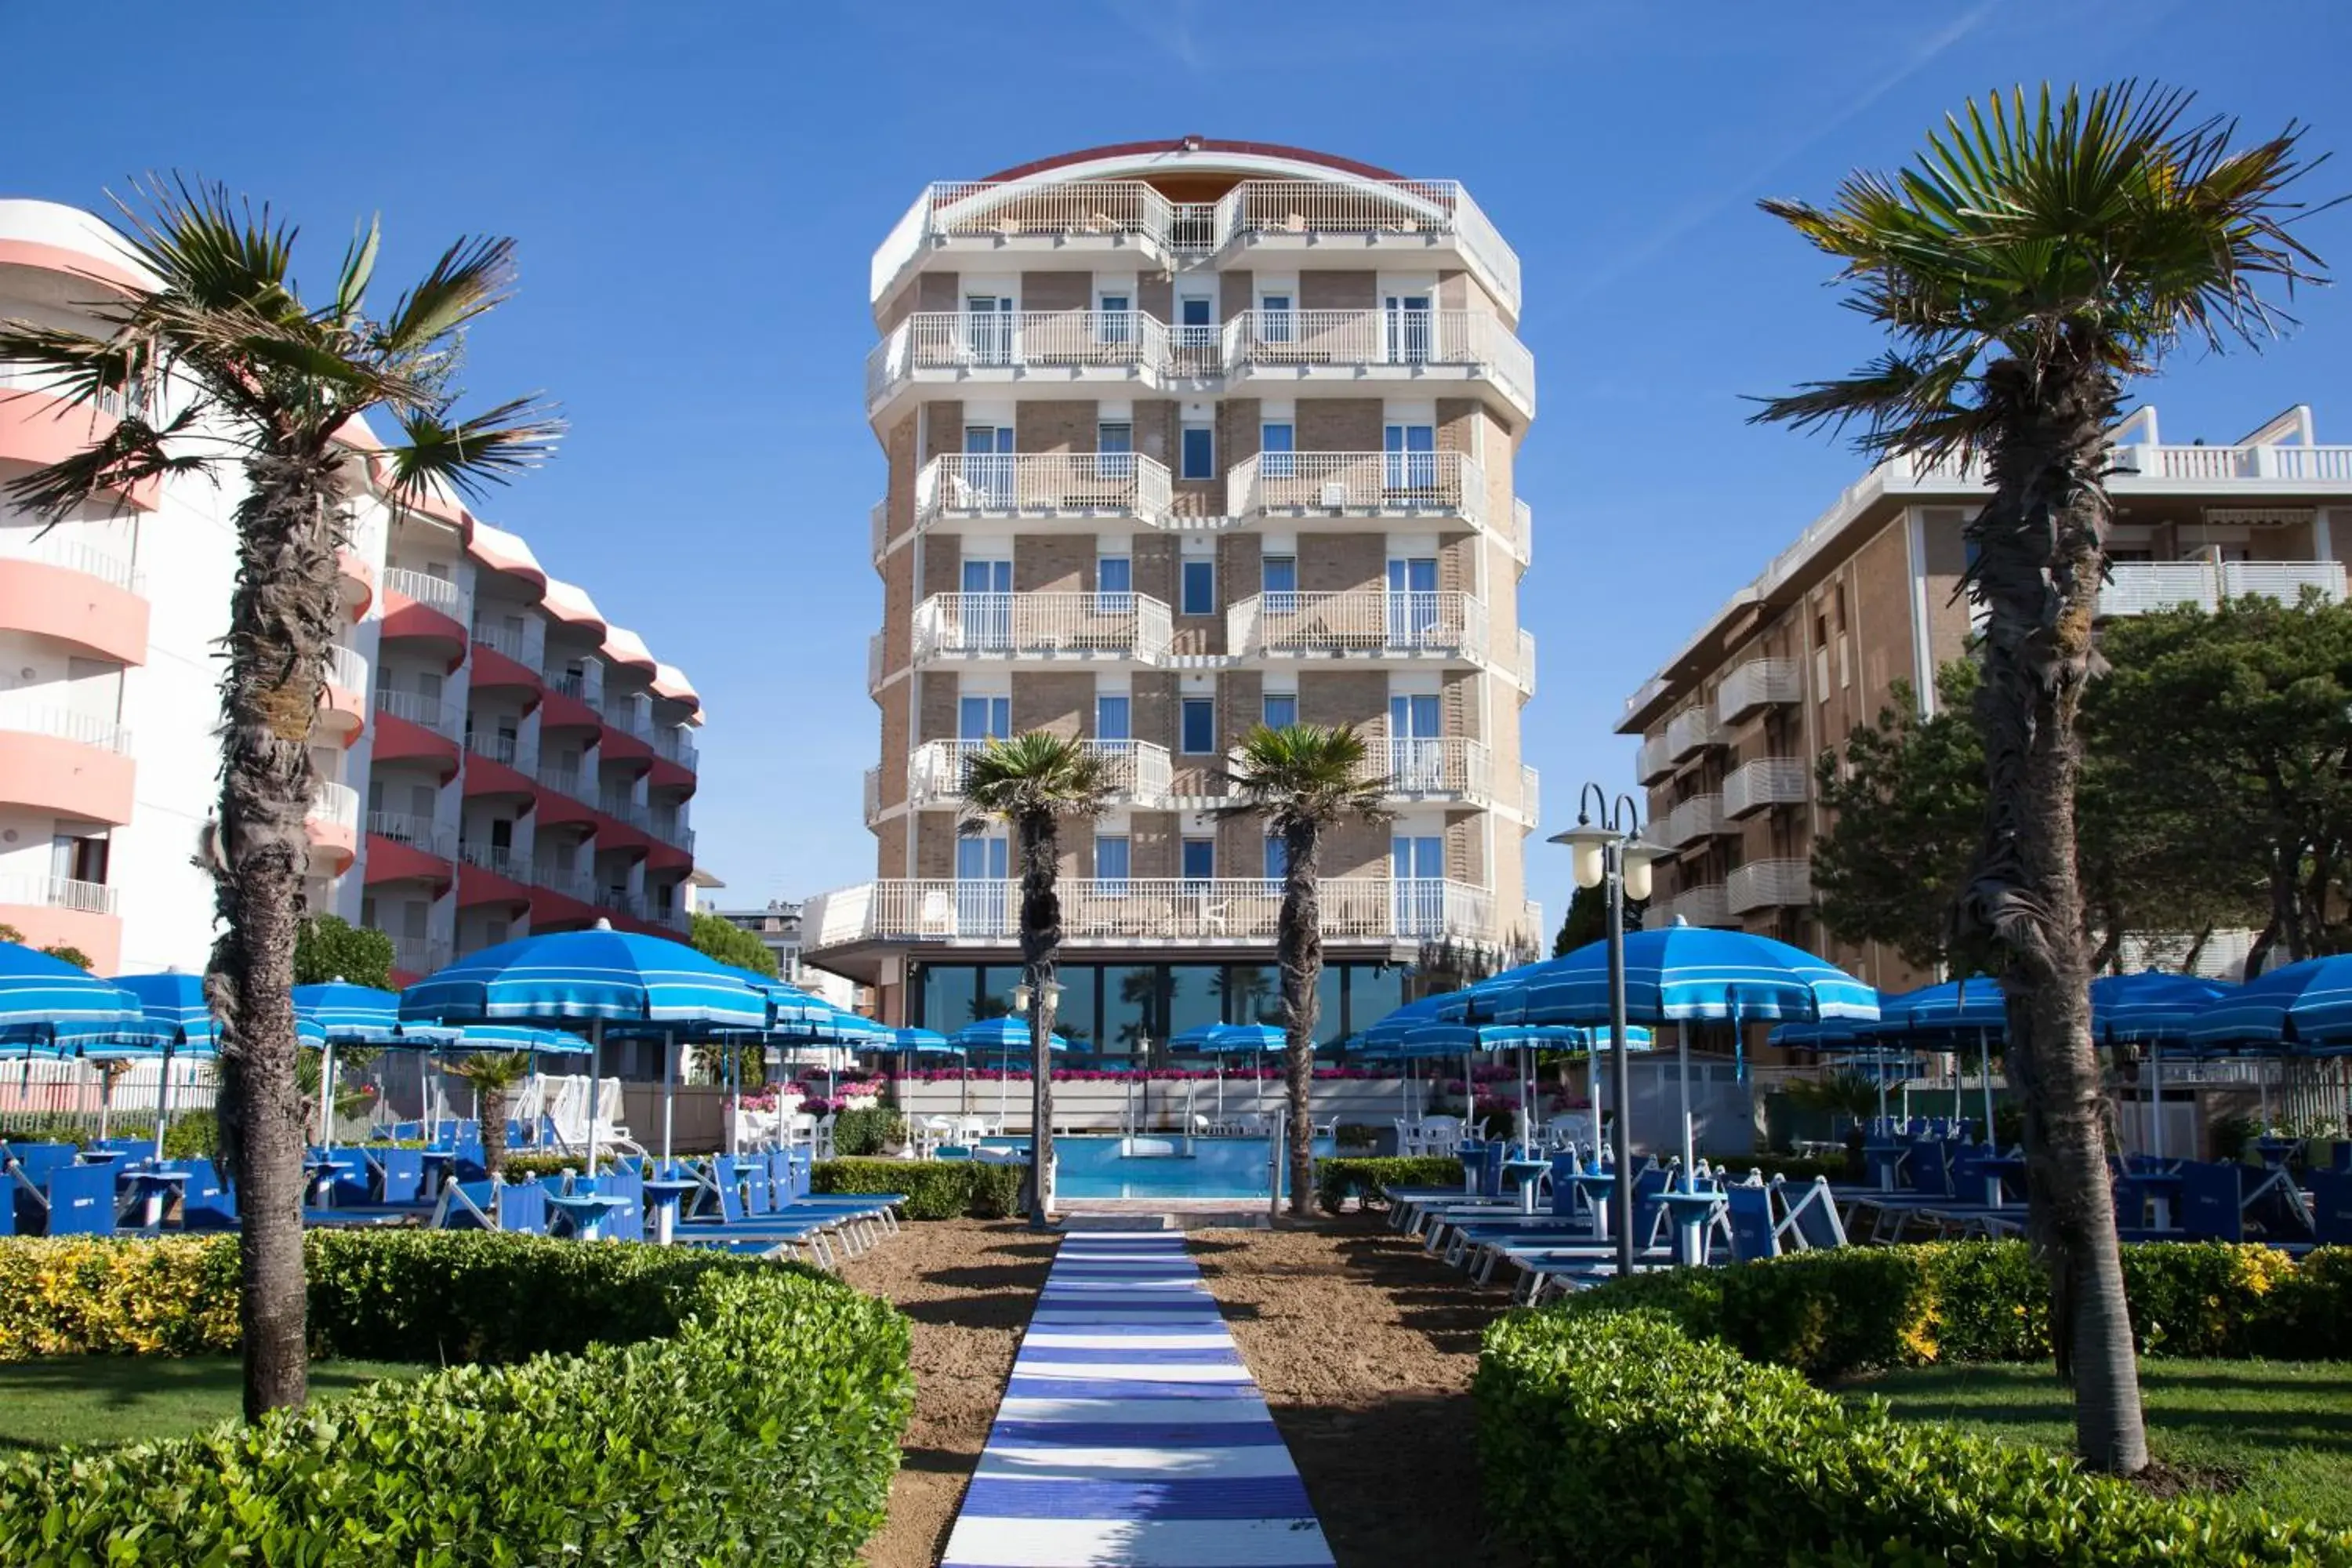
x,y
709,1409
192,1135
935,1189
866,1132
1371,1178
1615,1437
78,1130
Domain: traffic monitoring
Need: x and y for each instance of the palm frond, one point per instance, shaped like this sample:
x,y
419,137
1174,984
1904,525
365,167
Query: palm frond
x,y
358,271
472,276
1307,773
1035,774
212,251
468,455
131,454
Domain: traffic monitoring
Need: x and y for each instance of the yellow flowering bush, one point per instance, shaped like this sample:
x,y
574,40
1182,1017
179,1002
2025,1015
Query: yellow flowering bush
x,y
74,1295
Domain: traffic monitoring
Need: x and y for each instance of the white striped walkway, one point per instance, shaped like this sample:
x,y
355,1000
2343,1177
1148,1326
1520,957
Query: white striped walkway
x,y
1130,1432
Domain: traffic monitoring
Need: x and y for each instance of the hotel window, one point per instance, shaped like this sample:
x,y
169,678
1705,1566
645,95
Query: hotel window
x,y
1115,582
1200,457
1200,583
1278,576
1200,863
1112,718
74,858
1277,857
1279,710
1115,450
1198,734
1276,325
1116,323
1277,441
1112,858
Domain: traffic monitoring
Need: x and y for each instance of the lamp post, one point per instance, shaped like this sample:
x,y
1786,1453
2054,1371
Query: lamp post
x,y
1609,854
1048,996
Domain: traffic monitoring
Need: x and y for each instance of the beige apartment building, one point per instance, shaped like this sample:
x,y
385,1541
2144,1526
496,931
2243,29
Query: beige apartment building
x,y
1867,596
1180,437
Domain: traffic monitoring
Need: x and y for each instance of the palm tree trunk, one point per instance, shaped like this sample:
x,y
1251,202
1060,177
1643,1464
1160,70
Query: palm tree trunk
x,y
1298,951
494,1128
281,619
1041,946
2040,543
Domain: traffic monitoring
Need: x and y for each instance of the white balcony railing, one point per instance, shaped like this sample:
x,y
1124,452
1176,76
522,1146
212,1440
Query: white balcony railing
x,y
431,712
1303,344
1652,761
1757,684
512,750
669,826
52,549
1523,531
2153,461
419,833
433,592
2282,580
586,684
1398,211
1139,771
2140,587
62,723
564,778
501,859
618,804
1530,796
1065,344
347,668
1700,817
873,664
564,879
1766,782
1042,626
1432,765
873,782
878,523
1768,884
1150,910
1447,483
526,644
1527,670
1703,905
335,803
1090,483
1367,621
57,893
419,954
1690,731
675,743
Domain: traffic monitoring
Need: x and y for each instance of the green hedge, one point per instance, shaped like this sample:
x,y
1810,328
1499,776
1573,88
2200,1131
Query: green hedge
x,y
935,1189
1615,1437
867,1131
714,1409
1830,1314
1369,1178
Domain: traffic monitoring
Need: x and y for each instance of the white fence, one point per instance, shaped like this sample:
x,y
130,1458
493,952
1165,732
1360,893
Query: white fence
x,y
1446,483
1106,482
1128,626
1359,620
33,1091
1151,908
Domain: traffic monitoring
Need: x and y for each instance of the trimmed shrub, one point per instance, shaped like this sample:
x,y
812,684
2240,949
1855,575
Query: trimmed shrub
x,y
754,1417
935,1189
192,1135
1614,1436
72,1295
1371,1178
867,1131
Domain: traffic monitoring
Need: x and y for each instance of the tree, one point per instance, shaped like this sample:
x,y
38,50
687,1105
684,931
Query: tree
x,y
1299,780
2033,261
494,1075
718,938
1032,783
1586,920
329,947
220,364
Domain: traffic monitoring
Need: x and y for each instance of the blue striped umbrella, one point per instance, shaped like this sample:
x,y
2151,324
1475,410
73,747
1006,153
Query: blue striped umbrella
x,y
2154,1009
40,995
1005,1036
1387,1037
1974,1006
787,1003
517,1037
923,1042
1828,1035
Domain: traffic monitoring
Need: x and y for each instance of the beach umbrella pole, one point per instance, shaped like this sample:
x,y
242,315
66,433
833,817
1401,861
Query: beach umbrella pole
x,y
669,1087
164,1102
1682,1072
1984,1082
327,1094
596,1086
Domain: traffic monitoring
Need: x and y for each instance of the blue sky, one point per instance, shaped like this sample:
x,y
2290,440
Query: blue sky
x,y
696,189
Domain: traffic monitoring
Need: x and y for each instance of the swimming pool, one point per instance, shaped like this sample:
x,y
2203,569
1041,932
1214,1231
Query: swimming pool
x,y
1096,1167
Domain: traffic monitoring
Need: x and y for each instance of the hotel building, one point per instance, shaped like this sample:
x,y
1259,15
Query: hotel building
x,y
1733,724
496,756
1180,437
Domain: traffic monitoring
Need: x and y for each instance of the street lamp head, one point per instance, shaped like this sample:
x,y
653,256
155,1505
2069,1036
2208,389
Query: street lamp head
x,y
1020,998
1585,843
1638,858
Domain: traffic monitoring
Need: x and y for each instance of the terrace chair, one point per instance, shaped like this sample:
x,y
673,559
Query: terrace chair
x,y
208,1200
2331,1206
465,1206
1766,1222
2218,1197
522,1208
80,1201
29,1165
1481,1242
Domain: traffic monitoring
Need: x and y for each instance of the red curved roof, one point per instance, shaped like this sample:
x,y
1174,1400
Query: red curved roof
x,y
1193,144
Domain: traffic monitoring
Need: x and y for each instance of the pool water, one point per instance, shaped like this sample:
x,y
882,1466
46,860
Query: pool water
x,y
1096,1167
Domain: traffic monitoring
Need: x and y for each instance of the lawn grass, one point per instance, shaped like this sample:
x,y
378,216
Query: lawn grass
x,y
2283,1429
106,1399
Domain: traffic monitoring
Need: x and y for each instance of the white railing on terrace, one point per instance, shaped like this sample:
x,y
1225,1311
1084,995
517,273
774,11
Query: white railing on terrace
x,y
1398,209
1757,683
1359,620
2138,587
2153,461
1125,626
878,523
563,778
955,341
420,833
1138,770
526,645
1523,531
1688,731
1432,764
1451,483
335,803
57,893
512,750
1703,905
1305,341
580,885
347,668
1150,910
674,744
671,829
1700,817
618,806
502,859
873,782
433,592
1768,884
52,549
433,713
1530,795
63,724
1767,780
588,686
1652,761
1527,661
419,954
1113,482
873,663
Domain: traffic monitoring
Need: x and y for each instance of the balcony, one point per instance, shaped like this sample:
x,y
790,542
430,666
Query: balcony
x,y
1042,626
418,833
1651,763
671,828
1139,772
48,911
1523,532
1758,684
1426,768
493,874
332,827
1530,796
1367,623
623,807
2142,587
1359,484
1150,910
874,665
564,778
1689,732
953,353
672,745
1282,349
1691,821
873,782
433,592
1770,884
1527,666
1703,905
76,593
520,651
587,686
64,762
2151,460
443,719
1766,782
1041,484
419,955
877,524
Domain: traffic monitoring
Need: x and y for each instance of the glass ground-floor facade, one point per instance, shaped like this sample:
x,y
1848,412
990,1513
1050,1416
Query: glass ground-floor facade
x,y
1113,1009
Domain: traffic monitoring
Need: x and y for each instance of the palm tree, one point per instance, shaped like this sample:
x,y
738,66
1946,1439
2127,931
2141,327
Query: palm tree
x,y
1299,780
221,363
1031,783
494,1075
2035,259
